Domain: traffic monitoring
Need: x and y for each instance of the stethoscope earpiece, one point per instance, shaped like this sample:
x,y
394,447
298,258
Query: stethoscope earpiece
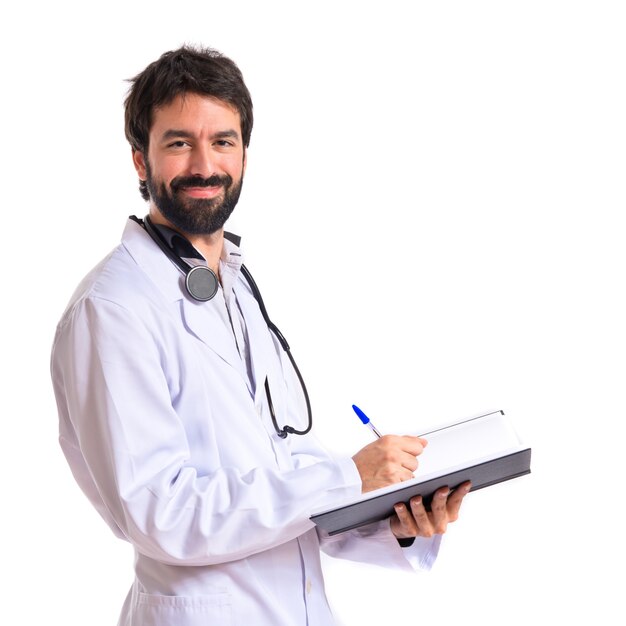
x,y
201,283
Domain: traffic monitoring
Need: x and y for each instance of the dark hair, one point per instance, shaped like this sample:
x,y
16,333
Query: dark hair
x,y
202,71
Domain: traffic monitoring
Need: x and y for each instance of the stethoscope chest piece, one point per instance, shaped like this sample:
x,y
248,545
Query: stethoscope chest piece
x,y
201,283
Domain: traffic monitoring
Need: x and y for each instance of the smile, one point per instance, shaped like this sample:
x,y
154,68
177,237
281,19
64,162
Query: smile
x,y
202,192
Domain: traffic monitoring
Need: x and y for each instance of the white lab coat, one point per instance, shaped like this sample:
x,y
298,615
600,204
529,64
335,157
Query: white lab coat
x,y
167,440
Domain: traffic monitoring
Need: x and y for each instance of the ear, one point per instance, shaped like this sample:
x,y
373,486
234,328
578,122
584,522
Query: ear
x,y
140,164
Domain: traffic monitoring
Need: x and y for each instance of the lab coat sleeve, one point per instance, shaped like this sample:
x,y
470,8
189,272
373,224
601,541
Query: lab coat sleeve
x,y
374,543
377,545
129,452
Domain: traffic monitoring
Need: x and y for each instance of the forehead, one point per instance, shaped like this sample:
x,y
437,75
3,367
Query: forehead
x,y
195,113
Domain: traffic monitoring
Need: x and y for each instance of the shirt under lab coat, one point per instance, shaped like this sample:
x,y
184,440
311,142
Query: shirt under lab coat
x,y
170,438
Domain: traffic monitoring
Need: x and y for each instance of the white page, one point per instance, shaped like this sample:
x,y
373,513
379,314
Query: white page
x,y
461,443
454,446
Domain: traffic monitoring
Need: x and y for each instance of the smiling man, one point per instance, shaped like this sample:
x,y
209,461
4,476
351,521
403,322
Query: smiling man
x,y
197,148
174,409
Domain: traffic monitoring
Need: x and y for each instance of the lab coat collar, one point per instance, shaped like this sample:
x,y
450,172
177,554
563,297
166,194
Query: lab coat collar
x,y
201,318
159,269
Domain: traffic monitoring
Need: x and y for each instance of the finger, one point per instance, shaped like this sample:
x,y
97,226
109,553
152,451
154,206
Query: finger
x,y
411,451
422,520
439,510
399,451
407,475
405,526
409,462
412,445
456,499
399,475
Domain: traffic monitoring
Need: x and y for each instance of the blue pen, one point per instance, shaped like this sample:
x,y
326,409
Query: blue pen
x,y
365,420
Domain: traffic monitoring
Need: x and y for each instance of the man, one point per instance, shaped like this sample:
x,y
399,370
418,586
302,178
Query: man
x,y
170,407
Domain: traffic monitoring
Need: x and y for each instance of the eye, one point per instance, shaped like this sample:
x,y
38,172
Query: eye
x,y
177,144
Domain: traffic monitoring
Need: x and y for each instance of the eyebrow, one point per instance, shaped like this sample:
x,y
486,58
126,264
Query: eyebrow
x,y
175,133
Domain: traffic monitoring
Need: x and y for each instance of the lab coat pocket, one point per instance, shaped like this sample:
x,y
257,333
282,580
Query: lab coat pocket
x,y
205,610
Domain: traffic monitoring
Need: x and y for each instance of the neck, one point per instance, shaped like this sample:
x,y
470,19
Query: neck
x,y
209,246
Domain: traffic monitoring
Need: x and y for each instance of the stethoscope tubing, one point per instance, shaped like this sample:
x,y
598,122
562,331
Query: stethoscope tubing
x,y
206,293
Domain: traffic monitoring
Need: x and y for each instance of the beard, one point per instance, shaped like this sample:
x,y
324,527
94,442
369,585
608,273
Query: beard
x,y
194,216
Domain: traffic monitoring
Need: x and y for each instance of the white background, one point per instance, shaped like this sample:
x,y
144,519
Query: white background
x,y
433,210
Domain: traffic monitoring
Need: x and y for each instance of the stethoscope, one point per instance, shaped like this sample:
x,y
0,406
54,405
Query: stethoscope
x,y
202,284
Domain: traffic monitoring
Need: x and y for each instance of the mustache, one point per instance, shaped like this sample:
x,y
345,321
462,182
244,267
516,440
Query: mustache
x,y
184,182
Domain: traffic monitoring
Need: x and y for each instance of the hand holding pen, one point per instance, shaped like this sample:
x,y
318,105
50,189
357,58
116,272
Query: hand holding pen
x,y
388,460
391,459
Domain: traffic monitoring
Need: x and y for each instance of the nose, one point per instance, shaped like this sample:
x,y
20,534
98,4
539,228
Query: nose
x,y
202,161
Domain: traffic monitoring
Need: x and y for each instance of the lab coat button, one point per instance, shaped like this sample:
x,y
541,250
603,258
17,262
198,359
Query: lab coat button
x,y
308,586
